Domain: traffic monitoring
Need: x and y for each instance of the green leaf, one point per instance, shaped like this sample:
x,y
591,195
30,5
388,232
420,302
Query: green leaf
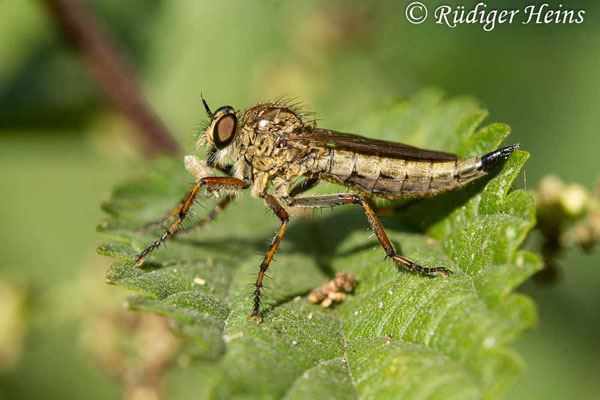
x,y
399,335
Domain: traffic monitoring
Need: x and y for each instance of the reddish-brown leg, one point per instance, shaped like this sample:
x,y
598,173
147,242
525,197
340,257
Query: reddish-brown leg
x,y
283,216
342,199
226,169
217,209
211,184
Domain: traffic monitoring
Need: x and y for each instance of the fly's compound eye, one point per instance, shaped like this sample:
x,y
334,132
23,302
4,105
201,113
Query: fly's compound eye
x,y
224,130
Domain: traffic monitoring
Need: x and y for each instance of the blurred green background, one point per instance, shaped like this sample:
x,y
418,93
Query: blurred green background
x,y
63,147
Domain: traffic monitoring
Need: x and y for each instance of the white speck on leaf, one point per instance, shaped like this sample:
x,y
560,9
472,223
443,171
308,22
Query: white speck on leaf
x,y
489,342
520,261
229,338
510,233
199,281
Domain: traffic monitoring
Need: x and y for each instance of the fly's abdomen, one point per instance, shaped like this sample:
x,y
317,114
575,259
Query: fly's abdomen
x,y
416,178
396,177
399,177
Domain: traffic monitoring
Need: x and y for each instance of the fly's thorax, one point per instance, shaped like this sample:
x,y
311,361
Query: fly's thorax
x,y
264,132
271,118
265,148
269,153
274,169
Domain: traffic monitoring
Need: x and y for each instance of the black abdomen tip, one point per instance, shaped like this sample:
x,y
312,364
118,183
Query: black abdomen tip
x,y
497,157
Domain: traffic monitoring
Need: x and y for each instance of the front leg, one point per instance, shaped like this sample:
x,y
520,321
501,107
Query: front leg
x,y
284,217
217,209
198,169
342,199
211,184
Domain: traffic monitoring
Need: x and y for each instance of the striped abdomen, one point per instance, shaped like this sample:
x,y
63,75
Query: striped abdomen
x,y
395,177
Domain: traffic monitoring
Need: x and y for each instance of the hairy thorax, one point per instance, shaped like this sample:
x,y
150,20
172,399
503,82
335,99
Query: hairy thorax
x,y
267,153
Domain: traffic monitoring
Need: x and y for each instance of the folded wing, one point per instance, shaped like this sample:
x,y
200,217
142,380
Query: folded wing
x,y
346,141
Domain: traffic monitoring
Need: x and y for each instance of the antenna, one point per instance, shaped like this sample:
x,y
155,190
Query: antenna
x,y
210,114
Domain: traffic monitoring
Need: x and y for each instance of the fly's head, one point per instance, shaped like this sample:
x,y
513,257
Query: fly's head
x,y
220,134
261,131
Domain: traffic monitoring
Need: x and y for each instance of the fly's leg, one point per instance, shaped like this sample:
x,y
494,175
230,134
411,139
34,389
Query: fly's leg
x,y
213,213
342,199
198,169
160,222
211,184
284,217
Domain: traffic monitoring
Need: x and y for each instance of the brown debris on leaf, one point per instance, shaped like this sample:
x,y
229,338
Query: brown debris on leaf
x,y
334,290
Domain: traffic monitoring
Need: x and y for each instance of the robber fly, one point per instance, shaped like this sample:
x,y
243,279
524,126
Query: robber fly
x,y
275,153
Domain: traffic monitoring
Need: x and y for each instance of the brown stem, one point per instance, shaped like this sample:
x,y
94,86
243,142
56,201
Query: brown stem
x,y
111,72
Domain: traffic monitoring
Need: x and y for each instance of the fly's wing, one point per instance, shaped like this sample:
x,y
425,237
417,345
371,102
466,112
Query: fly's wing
x,y
359,144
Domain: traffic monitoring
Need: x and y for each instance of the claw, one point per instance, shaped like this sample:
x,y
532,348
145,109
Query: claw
x,y
138,260
257,317
443,271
